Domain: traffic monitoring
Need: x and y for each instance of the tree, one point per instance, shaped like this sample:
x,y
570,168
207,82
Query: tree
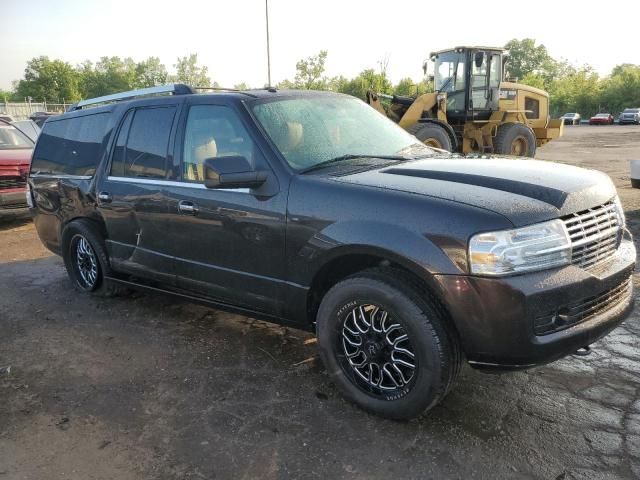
x,y
150,73
189,72
50,80
578,92
109,75
367,80
309,74
6,95
526,57
622,89
406,87
241,86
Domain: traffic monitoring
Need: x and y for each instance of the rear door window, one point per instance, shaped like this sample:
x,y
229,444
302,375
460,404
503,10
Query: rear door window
x,y
141,146
71,146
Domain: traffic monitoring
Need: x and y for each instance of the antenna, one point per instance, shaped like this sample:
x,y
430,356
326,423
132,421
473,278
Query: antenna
x,y
266,13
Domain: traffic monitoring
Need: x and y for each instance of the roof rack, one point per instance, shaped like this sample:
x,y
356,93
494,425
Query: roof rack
x,y
175,89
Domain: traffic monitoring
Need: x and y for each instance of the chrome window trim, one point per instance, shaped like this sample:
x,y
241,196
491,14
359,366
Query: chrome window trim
x,y
60,175
173,183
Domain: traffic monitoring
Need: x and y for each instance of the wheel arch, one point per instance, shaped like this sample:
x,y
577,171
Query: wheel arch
x,y
347,261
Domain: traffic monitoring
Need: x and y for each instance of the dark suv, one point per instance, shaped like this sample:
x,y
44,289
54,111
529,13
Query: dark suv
x,y
312,210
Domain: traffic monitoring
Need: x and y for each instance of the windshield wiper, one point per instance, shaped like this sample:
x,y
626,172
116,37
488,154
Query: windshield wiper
x,y
351,156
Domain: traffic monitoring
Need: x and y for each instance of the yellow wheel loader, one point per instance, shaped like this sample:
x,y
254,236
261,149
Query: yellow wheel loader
x,y
473,109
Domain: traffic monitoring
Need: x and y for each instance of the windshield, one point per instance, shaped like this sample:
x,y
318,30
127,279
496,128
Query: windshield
x,y
449,72
602,115
312,130
12,138
631,110
569,114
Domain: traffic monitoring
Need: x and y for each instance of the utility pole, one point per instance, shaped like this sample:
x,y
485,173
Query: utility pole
x,y
266,9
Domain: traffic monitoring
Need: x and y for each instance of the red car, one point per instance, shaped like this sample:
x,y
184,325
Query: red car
x,y
601,119
15,157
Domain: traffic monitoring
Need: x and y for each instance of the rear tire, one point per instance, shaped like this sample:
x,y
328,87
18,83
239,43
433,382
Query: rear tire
x,y
432,135
85,258
515,139
372,319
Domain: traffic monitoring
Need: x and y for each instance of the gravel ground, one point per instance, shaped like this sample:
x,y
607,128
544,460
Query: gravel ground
x,y
148,387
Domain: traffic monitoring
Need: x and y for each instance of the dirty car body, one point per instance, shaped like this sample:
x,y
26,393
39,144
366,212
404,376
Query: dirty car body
x,y
304,223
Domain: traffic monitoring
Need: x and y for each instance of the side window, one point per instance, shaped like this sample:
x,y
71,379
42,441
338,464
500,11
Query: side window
x,y
71,146
212,131
117,161
532,106
141,146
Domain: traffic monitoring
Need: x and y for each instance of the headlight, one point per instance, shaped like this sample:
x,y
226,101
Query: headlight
x,y
619,211
535,247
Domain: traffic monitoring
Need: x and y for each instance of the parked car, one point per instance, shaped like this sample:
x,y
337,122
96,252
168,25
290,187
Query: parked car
x,y
571,118
629,115
15,157
41,117
601,119
313,210
29,128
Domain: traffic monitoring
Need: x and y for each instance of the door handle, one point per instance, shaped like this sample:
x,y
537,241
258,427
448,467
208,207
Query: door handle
x,y
188,208
105,197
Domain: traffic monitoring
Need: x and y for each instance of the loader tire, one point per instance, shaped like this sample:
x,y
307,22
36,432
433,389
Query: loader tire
x,y
432,135
515,139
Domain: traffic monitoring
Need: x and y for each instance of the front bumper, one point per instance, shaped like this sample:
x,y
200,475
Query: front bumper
x,y
13,199
497,318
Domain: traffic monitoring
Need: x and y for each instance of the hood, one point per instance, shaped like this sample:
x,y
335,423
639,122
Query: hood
x,y
15,157
524,191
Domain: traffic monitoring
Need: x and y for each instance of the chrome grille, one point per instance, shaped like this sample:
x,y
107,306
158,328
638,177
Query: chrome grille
x,y
12,182
594,234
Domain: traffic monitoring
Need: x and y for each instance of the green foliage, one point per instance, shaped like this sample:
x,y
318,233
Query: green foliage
x,y
533,80
408,88
109,75
367,80
570,88
241,86
150,73
622,89
309,74
189,72
525,57
580,91
50,80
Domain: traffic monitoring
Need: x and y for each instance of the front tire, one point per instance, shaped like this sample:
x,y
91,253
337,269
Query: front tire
x,y
386,346
432,135
86,260
515,139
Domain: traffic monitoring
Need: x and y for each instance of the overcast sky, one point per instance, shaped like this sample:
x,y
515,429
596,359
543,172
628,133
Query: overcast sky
x,y
229,36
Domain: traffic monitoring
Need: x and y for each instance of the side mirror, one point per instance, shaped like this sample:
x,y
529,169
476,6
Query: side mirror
x,y
479,59
231,172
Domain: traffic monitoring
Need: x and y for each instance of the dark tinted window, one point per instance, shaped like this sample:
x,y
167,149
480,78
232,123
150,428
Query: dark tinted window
x,y
117,161
71,146
145,154
532,106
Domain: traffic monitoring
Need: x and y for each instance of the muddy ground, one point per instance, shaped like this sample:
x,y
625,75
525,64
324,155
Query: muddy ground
x,y
148,387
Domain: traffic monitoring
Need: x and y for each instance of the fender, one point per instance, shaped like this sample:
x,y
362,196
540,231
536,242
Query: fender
x,y
405,247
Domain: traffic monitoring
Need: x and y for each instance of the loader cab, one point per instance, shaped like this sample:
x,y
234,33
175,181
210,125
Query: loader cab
x,y
470,76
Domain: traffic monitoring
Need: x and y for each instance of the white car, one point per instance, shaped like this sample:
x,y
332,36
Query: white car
x,y
571,118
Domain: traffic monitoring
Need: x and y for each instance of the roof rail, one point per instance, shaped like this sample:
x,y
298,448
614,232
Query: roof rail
x,y
175,89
